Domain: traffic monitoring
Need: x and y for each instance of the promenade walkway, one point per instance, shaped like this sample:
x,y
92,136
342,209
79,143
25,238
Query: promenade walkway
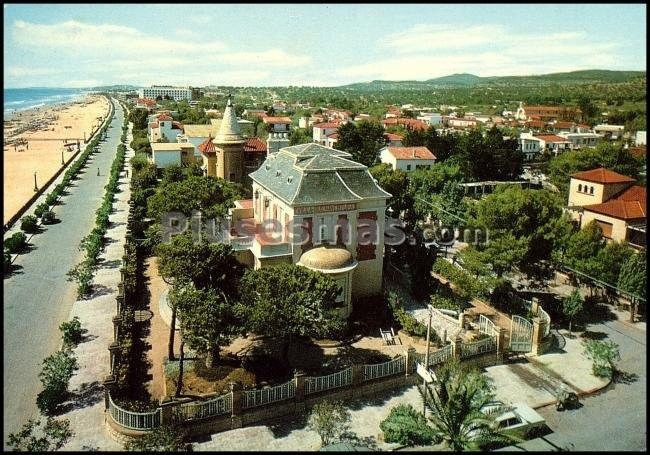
x,y
37,296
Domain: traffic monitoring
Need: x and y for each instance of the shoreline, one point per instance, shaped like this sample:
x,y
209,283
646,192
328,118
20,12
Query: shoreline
x,y
39,140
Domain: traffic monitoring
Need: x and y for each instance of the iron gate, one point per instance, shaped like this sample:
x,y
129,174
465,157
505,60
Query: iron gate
x,y
521,334
486,326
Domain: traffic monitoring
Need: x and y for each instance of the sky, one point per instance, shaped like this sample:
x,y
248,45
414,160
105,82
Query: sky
x,y
69,45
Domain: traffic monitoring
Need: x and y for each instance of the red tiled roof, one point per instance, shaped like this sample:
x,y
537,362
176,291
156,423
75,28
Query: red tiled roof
x,y
624,210
563,125
393,137
408,122
536,123
602,175
411,153
153,125
327,125
255,145
274,120
207,147
177,125
633,193
550,138
164,117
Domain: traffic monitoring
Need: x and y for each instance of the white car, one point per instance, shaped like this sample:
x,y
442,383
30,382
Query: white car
x,y
519,419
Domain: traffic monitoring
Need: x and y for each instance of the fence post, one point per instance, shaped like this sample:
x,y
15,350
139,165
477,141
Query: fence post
x,y
119,298
114,346
534,307
109,384
410,360
357,374
237,398
456,347
538,335
501,343
461,319
116,325
167,406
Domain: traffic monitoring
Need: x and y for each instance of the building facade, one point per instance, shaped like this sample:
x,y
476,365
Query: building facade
x,y
310,197
407,159
176,93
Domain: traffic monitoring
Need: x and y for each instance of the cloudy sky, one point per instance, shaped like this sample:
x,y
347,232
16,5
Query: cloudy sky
x,y
324,45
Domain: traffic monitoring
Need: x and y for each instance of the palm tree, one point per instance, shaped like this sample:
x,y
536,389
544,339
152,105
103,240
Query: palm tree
x,y
462,409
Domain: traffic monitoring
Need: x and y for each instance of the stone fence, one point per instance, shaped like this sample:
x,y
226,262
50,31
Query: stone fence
x,y
214,413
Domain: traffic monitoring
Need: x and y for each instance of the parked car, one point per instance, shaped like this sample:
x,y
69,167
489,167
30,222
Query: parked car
x,y
518,419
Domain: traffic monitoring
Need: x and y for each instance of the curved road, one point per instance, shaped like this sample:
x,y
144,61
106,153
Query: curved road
x,y
38,297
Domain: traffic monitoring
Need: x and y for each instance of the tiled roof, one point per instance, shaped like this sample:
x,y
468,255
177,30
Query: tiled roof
x,y
624,210
255,144
602,175
536,123
164,117
408,122
153,125
393,137
277,120
550,138
312,173
207,147
327,125
411,153
177,125
633,193
333,135
563,125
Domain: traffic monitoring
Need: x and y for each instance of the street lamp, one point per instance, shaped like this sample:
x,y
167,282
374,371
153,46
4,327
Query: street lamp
x,y
35,186
62,162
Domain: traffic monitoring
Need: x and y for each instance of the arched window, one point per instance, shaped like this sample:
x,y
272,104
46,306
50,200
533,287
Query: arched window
x,y
579,187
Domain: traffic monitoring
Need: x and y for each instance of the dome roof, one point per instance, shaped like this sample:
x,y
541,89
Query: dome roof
x,y
326,258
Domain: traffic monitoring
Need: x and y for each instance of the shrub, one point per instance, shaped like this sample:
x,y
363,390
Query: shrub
x,y
405,425
28,224
48,217
50,200
82,273
603,354
55,376
166,438
40,208
16,243
329,420
72,333
55,433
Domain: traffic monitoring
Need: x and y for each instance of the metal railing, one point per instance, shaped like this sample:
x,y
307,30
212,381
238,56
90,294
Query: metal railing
x,y
260,397
478,347
331,381
435,357
380,370
201,410
134,420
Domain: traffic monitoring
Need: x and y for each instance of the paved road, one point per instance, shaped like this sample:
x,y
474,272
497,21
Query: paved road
x,y
614,419
37,298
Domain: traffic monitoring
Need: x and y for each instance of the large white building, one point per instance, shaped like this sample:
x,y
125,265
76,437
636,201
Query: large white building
x,y
177,93
407,159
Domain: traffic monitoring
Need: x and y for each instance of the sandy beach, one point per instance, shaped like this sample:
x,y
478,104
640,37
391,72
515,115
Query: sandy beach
x,y
34,140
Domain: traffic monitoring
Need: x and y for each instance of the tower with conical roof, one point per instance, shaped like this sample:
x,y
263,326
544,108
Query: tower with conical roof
x,y
230,147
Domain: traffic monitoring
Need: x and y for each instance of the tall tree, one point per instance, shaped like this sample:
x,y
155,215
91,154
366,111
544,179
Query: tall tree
x,y
286,301
572,305
363,140
633,278
395,181
207,319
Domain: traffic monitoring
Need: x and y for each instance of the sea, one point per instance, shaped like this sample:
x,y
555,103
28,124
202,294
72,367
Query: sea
x,y
20,99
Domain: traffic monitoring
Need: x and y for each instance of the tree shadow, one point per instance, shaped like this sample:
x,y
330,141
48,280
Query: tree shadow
x,y
346,356
13,270
88,394
115,263
54,221
357,404
86,338
282,427
352,438
624,377
99,290
592,335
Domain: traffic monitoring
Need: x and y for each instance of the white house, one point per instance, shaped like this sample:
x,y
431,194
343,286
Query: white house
x,y
530,145
323,130
579,140
610,131
277,124
432,118
407,158
552,143
164,154
164,128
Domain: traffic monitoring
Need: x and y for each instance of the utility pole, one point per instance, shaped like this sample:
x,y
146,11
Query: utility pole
x,y
35,186
426,366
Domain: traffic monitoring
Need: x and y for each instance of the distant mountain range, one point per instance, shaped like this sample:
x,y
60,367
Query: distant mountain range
x,y
117,88
469,80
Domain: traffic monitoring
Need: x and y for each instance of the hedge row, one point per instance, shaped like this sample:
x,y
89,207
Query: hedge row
x,y
93,243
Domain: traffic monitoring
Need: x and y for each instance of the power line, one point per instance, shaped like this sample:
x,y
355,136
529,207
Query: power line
x,y
604,283
441,209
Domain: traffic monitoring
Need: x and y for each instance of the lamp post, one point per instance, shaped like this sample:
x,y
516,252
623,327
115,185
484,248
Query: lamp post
x,y
35,186
62,162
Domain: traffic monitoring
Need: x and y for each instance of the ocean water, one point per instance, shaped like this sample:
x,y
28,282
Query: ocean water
x,y
20,99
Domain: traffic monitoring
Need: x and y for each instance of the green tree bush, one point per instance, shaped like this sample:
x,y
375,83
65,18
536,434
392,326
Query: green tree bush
x,y
16,243
28,224
572,306
329,419
55,434
604,354
71,332
165,438
55,376
404,425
